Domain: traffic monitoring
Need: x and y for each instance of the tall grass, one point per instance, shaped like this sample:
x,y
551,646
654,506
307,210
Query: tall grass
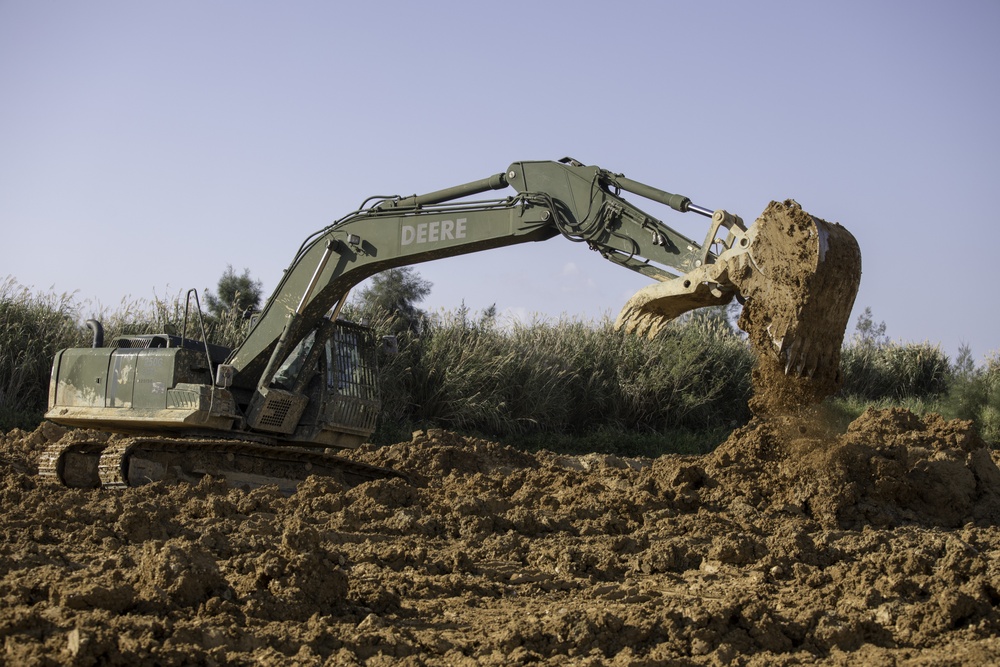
x,y
34,326
566,377
177,314
527,382
988,416
894,370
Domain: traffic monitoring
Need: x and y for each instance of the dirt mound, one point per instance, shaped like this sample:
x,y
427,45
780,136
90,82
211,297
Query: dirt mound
x,y
890,468
789,544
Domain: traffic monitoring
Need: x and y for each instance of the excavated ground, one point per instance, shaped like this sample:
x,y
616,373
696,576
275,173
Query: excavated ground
x,y
787,545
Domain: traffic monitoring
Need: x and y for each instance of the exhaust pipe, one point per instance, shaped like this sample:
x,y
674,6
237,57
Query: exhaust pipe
x,y
98,330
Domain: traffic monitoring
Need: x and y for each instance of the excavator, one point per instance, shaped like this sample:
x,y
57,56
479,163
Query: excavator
x,y
303,383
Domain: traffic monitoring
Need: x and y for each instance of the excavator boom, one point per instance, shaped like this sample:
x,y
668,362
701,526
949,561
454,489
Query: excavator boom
x,y
552,198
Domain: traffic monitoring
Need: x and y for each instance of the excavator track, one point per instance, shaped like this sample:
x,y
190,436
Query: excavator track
x,y
141,460
73,464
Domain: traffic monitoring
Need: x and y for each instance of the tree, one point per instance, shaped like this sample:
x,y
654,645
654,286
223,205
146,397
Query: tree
x,y
239,293
397,292
868,334
488,317
965,365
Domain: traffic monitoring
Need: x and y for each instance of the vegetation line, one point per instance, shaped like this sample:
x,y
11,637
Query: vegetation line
x,y
565,385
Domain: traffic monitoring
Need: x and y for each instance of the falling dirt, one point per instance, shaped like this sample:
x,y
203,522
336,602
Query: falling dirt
x,y
788,545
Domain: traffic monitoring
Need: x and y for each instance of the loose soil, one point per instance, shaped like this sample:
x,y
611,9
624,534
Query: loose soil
x,y
787,545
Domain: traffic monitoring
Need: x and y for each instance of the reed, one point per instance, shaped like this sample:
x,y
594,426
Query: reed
x,y
566,376
529,382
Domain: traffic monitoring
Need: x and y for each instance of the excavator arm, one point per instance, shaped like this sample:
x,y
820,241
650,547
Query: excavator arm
x,y
581,203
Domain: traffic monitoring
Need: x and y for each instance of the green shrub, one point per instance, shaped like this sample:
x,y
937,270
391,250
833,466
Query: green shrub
x,y
894,370
974,394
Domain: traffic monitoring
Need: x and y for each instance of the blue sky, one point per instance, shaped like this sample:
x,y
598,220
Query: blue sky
x,y
145,146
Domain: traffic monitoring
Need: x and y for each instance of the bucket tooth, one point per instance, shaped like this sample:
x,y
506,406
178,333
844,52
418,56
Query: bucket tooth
x,y
654,306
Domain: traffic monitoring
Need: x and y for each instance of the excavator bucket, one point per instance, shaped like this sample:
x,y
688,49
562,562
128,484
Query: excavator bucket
x,y
799,288
797,276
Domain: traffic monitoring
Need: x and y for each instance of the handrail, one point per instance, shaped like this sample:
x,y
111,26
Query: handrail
x,y
201,324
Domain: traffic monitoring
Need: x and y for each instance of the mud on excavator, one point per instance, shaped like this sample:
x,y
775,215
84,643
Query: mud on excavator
x,y
303,382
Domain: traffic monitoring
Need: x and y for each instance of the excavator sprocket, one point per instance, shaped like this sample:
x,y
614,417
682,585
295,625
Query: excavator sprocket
x,y
134,461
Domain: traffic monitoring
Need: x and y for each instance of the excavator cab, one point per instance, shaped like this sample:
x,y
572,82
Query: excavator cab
x,y
326,391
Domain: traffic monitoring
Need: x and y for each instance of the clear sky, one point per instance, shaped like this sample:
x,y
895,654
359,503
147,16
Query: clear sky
x,y
146,145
